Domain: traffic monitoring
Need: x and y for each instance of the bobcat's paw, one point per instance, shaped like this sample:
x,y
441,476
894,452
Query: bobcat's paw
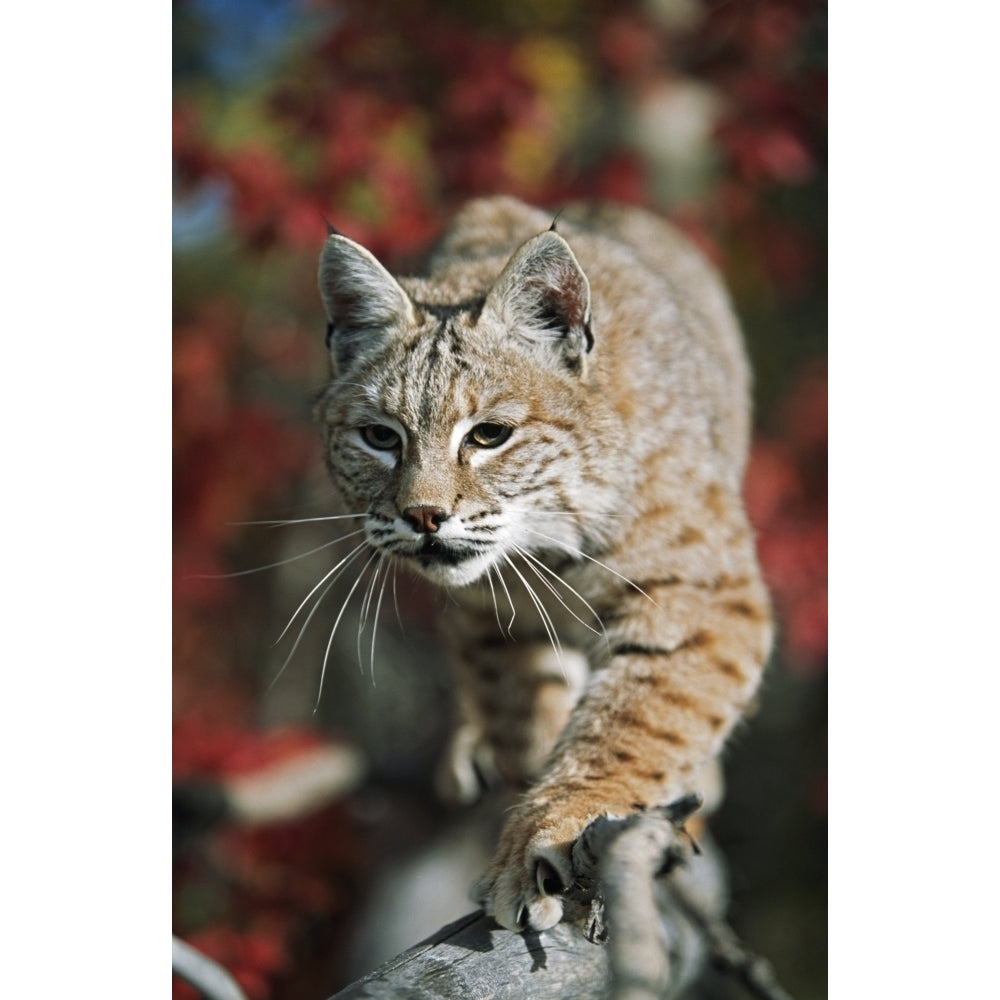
x,y
531,869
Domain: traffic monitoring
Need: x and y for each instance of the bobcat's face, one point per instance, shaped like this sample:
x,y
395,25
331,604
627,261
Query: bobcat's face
x,y
458,452
457,429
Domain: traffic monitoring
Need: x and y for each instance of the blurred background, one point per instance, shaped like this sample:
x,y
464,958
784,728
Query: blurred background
x,y
383,116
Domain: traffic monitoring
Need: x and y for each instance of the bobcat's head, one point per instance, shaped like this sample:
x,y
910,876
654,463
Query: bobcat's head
x,y
460,430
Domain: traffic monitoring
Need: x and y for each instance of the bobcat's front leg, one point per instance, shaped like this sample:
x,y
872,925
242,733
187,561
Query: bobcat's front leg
x,y
651,720
514,699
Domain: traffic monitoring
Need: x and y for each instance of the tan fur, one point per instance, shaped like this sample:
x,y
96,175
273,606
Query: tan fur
x,y
615,503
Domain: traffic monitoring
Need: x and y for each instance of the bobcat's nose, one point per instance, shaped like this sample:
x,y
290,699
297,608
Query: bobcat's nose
x,y
424,518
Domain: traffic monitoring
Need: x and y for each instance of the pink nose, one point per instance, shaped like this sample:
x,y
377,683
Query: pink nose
x,y
424,519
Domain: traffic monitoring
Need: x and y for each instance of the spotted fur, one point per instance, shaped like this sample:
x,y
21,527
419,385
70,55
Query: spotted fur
x,y
552,425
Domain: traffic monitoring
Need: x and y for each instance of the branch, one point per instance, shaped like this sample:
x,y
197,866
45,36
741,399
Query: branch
x,y
641,884
729,954
475,957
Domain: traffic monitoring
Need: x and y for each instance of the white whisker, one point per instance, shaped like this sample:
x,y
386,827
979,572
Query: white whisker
x,y
350,555
333,631
571,550
577,513
366,606
395,600
315,608
542,613
534,563
510,601
282,562
493,594
298,638
378,608
294,520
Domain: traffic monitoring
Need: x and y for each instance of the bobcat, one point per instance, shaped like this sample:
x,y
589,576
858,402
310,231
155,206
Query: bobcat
x,y
552,424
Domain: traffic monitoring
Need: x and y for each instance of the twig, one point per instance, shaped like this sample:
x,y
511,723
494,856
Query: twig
x,y
618,862
205,975
729,954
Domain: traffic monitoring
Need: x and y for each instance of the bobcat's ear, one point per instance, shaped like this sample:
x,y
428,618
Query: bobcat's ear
x,y
364,302
544,295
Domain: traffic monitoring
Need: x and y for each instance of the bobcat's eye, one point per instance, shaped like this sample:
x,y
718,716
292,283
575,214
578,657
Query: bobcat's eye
x,y
488,435
381,437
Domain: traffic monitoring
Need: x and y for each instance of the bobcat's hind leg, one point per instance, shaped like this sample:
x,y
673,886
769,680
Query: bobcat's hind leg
x,y
525,695
467,769
513,702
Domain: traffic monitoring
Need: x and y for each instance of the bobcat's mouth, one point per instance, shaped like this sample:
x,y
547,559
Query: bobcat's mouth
x,y
450,563
434,552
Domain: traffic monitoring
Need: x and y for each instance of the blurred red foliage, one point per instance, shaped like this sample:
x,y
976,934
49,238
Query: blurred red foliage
x,y
786,491
233,455
212,750
253,957
272,884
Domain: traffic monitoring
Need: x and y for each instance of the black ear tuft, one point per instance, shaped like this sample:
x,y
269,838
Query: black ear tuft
x,y
364,303
544,297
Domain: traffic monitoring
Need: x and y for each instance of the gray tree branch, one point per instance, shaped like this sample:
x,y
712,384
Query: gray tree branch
x,y
641,886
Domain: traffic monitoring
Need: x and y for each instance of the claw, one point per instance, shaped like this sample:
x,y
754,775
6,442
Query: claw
x,y
548,880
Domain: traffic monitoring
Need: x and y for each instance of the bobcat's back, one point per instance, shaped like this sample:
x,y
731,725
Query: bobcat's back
x,y
667,328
